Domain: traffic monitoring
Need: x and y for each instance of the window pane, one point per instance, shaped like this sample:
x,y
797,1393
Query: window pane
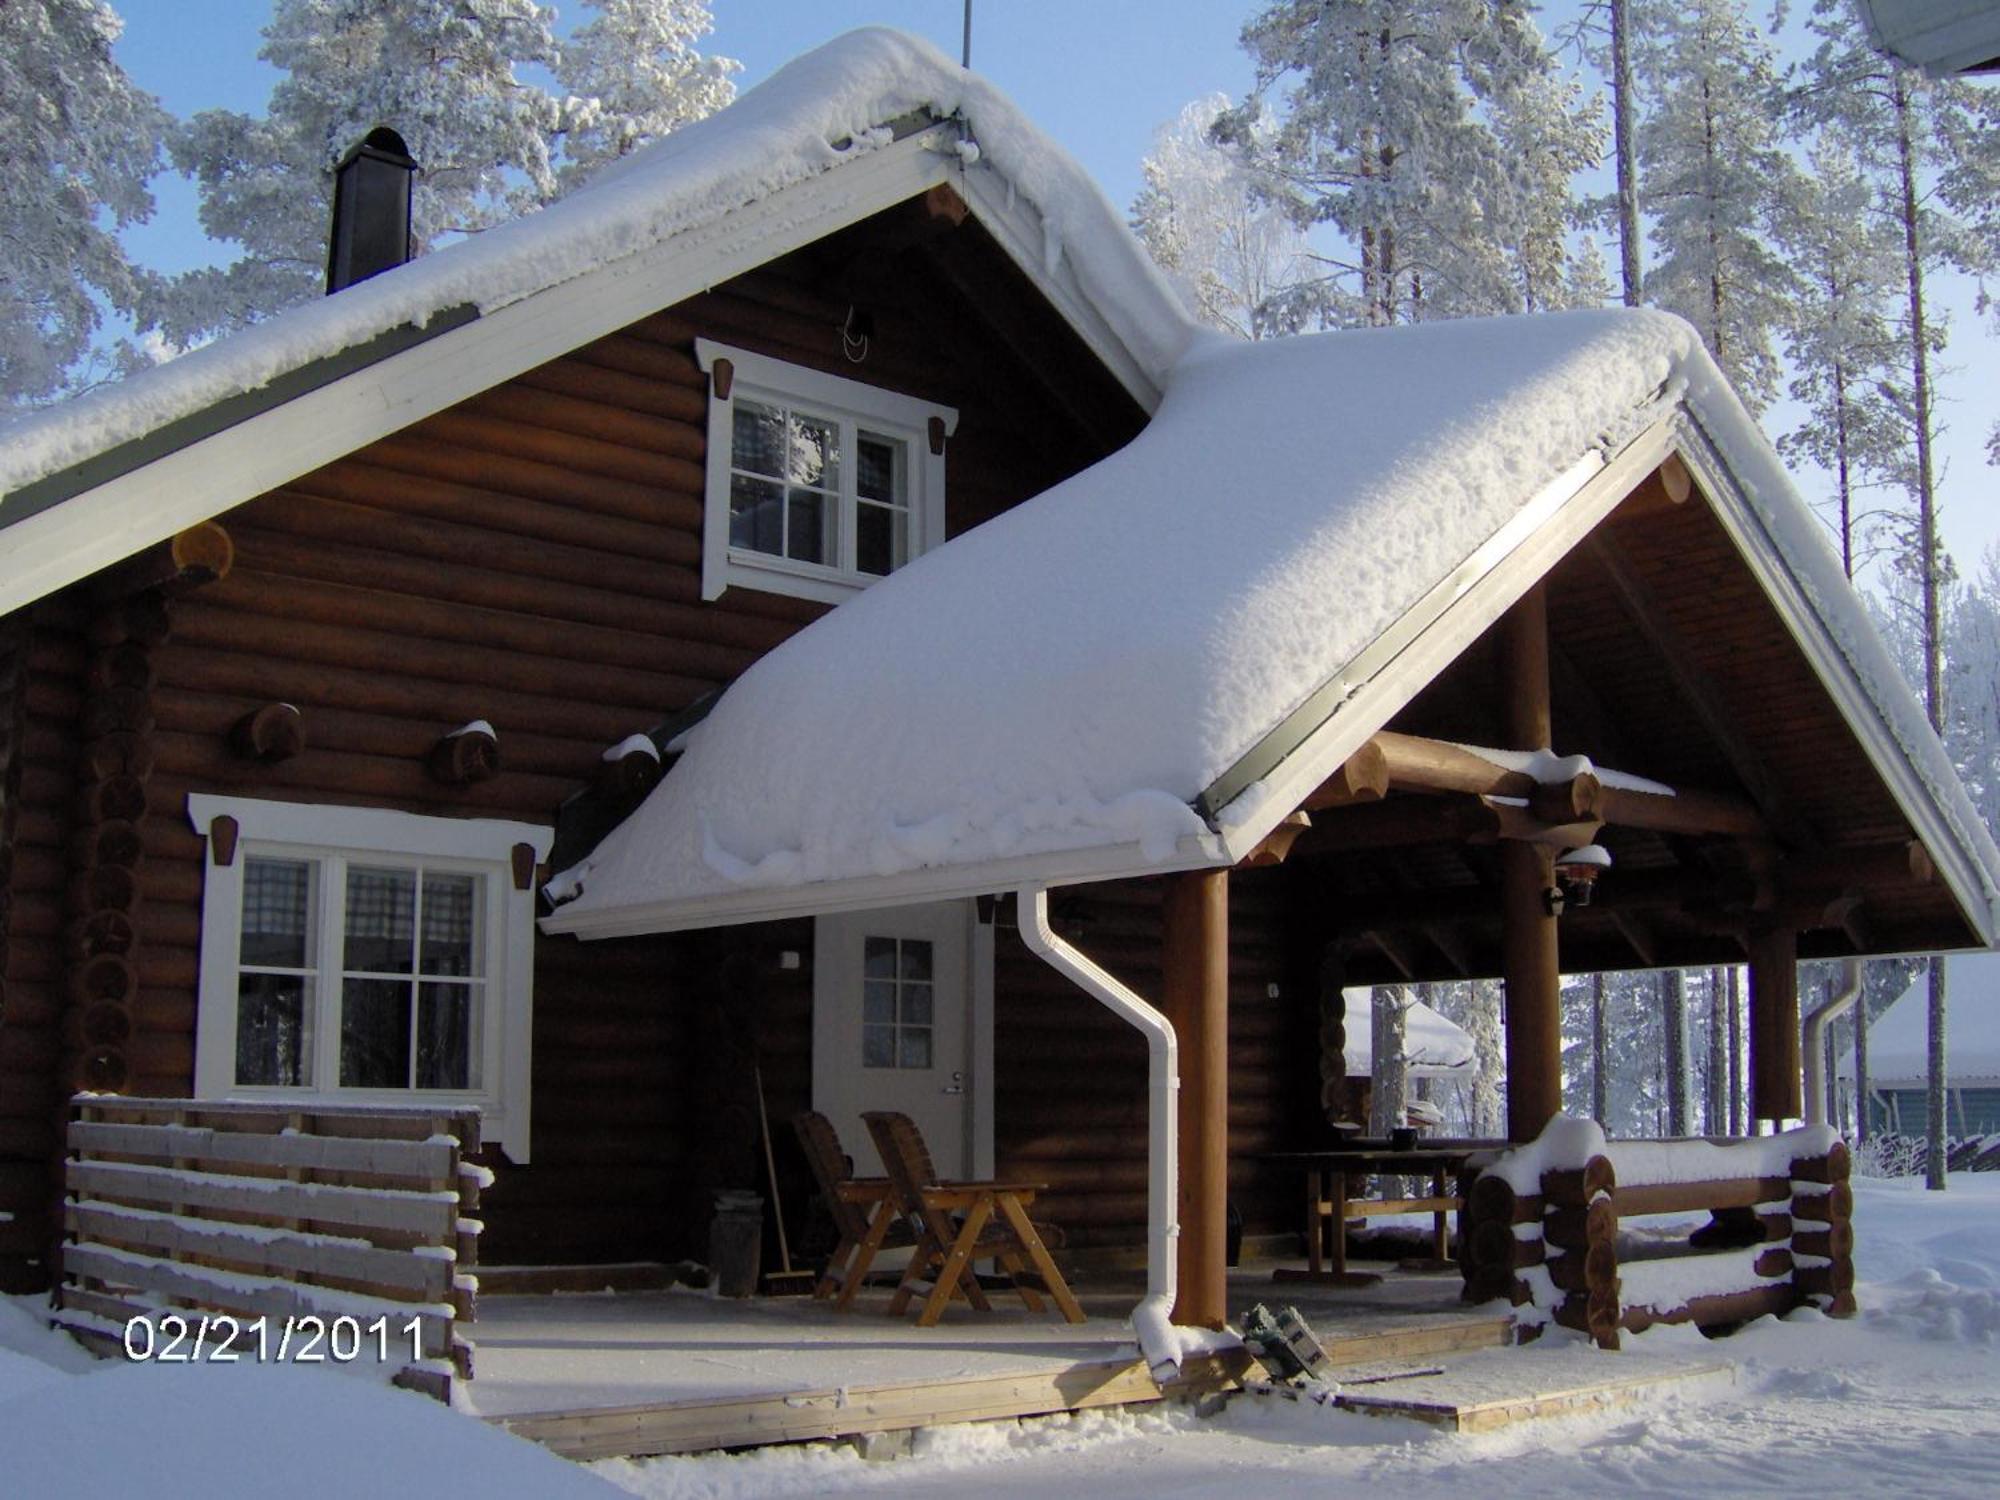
x,y
381,920
815,453
916,1048
878,957
277,913
878,1000
450,911
375,1034
878,1046
881,539
274,1029
447,1036
757,439
809,537
877,461
916,1005
756,515
916,959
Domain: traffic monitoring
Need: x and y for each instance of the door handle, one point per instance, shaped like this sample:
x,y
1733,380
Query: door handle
x,y
956,1086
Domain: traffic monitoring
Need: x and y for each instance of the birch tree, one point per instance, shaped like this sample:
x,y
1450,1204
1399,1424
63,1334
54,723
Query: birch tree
x,y
82,142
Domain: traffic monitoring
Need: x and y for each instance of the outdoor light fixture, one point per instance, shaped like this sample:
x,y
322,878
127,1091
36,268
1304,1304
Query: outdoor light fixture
x,y
1576,875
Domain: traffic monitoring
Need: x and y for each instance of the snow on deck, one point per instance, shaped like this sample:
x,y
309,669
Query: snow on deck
x,y
1072,674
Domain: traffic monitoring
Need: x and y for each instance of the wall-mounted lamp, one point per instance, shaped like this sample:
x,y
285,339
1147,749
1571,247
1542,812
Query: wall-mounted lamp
x,y
1576,877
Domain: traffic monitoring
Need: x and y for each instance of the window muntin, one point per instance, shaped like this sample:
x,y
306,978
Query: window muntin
x,y
817,484
897,1000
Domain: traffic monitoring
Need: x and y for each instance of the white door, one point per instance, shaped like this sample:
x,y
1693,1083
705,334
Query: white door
x,y
902,1021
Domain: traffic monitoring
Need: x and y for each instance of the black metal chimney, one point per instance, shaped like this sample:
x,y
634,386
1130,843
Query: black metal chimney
x,y
371,209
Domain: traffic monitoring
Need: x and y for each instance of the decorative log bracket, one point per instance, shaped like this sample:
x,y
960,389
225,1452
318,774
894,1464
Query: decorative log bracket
x,y
466,756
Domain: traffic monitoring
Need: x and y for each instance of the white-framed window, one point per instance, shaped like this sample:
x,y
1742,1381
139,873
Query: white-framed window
x,y
817,485
367,956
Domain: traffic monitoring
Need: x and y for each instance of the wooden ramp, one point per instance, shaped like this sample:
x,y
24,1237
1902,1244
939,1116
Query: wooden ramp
x,y
1484,1391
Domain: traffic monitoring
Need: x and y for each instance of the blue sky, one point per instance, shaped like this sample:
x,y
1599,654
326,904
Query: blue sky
x,y
1097,75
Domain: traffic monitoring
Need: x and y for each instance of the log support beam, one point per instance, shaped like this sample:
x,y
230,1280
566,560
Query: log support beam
x,y
1195,998
1775,1092
1529,962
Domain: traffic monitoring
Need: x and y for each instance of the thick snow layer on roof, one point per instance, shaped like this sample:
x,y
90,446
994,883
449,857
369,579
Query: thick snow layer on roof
x,y
1435,1047
1075,672
780,133
1899,1041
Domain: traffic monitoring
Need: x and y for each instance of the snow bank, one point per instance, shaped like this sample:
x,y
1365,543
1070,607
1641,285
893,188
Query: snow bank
x,y
818,111
1073,673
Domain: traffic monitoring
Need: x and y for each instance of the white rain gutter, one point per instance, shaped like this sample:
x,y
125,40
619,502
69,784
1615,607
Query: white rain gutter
x,y
1815,1038
1152,1319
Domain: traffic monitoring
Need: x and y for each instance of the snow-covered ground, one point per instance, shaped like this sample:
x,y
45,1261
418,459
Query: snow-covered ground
x,y
1905,1399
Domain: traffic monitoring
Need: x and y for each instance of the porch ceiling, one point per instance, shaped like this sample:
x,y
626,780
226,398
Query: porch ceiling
x,y
1668,661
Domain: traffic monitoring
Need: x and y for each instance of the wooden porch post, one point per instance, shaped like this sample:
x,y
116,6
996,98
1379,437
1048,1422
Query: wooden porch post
x,y
1195,995
1528,958
1774,1025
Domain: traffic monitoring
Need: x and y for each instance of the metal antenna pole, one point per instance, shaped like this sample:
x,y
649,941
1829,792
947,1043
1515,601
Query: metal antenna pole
x,y
965,56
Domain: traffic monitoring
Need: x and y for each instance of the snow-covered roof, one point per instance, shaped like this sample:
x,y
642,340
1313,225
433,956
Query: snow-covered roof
x,y
1434,1046
836,135
1899,1041
1943,37
1216,616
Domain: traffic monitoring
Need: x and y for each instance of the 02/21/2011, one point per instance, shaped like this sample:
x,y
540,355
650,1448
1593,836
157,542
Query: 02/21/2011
x,y
219,1338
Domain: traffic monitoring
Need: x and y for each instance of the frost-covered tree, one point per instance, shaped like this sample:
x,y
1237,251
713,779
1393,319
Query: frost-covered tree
x,y
81,142
634,74
1843,343
1434,138
442,73
1714,174
1228,251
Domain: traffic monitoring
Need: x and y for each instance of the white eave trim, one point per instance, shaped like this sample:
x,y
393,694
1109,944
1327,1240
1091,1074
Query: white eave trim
x,y
98,527
936,883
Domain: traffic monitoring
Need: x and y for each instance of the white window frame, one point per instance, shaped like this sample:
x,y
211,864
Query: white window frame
x,y
317,832
814,393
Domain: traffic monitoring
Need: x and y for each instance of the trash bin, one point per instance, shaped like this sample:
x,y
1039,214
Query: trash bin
x,y
736,1242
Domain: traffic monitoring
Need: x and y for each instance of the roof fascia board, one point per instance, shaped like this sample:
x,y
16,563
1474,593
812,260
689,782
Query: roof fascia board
x,y
937,883
145,505
1760,549
1022,233
1392,669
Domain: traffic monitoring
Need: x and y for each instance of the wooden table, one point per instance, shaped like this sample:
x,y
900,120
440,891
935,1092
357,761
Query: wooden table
x,y
1332,1176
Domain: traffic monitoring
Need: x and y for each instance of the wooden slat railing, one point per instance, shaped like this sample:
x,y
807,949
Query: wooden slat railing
x,y
1772,1242
259,1211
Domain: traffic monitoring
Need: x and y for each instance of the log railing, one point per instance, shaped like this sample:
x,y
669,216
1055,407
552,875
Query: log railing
x,y
259,1212
1779,1235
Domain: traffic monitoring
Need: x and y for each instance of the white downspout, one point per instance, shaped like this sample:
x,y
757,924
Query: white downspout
x,y
1814,1041
1152,1319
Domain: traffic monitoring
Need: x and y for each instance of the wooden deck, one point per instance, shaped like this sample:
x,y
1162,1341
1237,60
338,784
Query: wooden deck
x,y
629,1375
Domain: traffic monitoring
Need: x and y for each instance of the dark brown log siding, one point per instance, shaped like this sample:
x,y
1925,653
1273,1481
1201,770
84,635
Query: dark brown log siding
x,y
530,557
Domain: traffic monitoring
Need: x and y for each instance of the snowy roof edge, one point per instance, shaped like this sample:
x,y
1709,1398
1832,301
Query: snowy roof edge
x,y
695,207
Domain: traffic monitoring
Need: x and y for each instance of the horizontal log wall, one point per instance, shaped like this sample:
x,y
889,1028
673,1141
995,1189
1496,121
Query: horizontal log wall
x,y
530,557
1070,1077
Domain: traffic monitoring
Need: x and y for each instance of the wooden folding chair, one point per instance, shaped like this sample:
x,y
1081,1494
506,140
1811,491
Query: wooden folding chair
x,y
958,1223
863,1210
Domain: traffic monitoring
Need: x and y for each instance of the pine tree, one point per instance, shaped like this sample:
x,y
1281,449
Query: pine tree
x,y
1229,252
1714,173
1391,133
81,144
634,74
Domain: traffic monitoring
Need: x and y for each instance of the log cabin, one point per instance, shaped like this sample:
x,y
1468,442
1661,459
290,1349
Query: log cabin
x,y
811,608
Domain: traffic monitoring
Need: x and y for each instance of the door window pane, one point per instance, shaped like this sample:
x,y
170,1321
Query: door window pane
x,y
896,1002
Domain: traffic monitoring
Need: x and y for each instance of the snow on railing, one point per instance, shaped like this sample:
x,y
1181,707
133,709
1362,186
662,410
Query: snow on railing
x,y
259,1219
1542,1222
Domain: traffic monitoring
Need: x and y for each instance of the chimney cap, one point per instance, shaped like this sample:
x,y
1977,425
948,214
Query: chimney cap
x,y
380,144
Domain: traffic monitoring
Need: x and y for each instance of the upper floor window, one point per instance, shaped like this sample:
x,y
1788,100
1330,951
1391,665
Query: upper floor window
x,y
817,485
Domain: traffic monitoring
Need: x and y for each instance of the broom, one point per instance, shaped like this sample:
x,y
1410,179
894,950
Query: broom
x,y
786,1282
